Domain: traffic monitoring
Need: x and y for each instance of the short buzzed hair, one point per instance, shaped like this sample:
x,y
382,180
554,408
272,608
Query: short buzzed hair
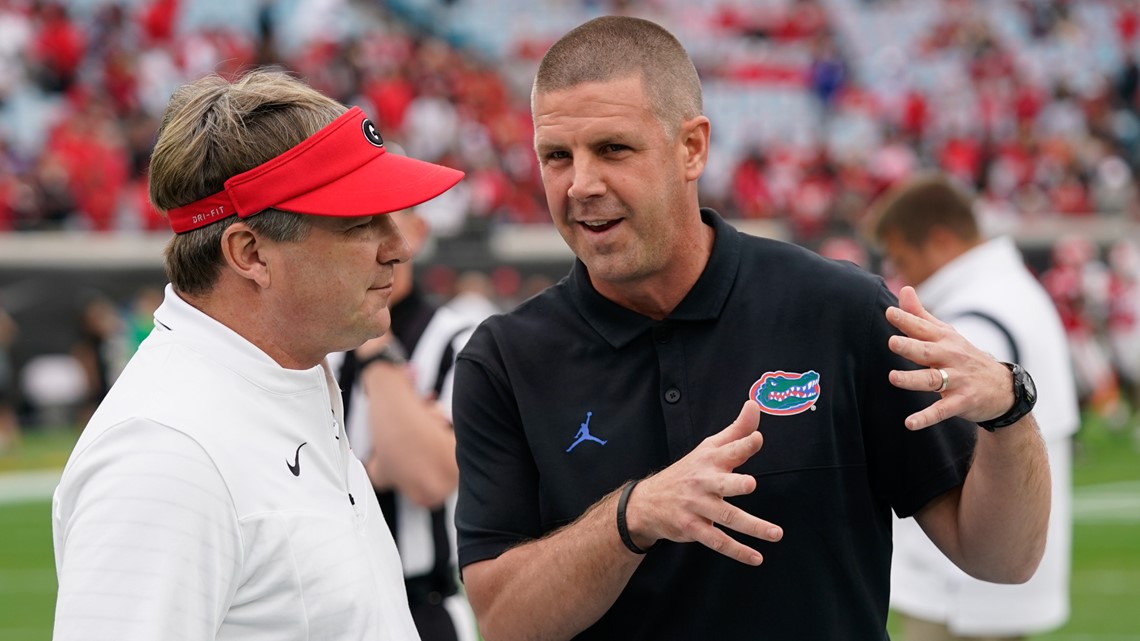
x,y
614,47
922,203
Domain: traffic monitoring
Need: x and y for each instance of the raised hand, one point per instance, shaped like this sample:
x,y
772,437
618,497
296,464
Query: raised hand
x,y
973,384
685,501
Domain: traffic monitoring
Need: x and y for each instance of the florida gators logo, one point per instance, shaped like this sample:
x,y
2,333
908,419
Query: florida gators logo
x,y
783,393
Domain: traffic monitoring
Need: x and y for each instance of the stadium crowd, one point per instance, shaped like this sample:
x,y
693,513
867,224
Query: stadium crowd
x,y
1033,103
82,83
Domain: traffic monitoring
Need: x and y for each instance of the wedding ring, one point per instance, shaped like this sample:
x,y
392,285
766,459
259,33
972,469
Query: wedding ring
x,y
945,381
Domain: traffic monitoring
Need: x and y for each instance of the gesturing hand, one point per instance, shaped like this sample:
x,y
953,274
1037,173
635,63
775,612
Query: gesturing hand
x,y
975,385
685,501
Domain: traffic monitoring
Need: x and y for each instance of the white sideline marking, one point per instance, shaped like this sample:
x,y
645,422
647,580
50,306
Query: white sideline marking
x,y
1096,637
22,487
1117,502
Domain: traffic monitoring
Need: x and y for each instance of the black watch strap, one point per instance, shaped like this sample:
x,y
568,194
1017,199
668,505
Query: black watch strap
x,y
1024,398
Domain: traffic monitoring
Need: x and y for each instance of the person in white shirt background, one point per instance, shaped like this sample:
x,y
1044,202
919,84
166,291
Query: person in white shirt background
x,y
928,231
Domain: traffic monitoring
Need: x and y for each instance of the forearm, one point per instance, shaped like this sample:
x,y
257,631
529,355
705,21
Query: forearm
x,y
558,586
421,465
572,577
992,527
1003,513
412,443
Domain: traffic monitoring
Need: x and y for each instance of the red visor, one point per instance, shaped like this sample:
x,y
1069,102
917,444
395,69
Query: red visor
x,y
342,170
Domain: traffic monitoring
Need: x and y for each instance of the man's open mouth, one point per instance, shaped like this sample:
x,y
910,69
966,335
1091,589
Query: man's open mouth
x,y
600,225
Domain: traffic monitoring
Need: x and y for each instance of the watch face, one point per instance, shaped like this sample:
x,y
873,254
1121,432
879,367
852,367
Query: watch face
x,y
1028,384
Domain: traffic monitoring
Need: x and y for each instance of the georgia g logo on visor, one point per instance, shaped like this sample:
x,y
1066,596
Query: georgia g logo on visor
x,y
371,134
783,393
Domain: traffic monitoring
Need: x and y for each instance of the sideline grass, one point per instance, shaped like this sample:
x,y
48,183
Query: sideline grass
x,y
27,572
1106,552
1105,585
27,563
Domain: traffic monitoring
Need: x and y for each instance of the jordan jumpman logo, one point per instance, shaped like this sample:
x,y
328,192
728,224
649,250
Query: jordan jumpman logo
x,y
584,434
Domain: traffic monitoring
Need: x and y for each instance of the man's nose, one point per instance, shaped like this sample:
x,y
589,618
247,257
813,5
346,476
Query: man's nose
x,y
394,248
587,180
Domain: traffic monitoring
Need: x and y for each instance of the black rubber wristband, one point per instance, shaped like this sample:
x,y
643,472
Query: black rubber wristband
x,y
623,531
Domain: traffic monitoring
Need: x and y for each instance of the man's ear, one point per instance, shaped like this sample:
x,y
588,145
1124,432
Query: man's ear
x,y
695,137
242,250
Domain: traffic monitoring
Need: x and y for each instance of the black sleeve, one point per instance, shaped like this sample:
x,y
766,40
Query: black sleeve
x,y
908,468
497,506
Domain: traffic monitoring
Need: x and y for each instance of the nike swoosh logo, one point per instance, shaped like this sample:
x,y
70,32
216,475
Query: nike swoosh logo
x,y
295,466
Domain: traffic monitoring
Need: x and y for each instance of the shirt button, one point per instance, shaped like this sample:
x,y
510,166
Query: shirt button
x,y
662,333
672,395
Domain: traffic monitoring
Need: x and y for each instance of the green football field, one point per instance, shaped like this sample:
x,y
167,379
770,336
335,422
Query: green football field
x,y
1106,538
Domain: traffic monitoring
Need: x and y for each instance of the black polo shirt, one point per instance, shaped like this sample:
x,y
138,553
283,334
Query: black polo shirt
x,y
562,400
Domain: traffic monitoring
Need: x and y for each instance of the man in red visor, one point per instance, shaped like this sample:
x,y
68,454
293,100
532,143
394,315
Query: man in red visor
x,y
213,494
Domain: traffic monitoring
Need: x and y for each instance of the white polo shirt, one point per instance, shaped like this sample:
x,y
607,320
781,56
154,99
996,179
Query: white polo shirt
x,y
992,279
209,498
